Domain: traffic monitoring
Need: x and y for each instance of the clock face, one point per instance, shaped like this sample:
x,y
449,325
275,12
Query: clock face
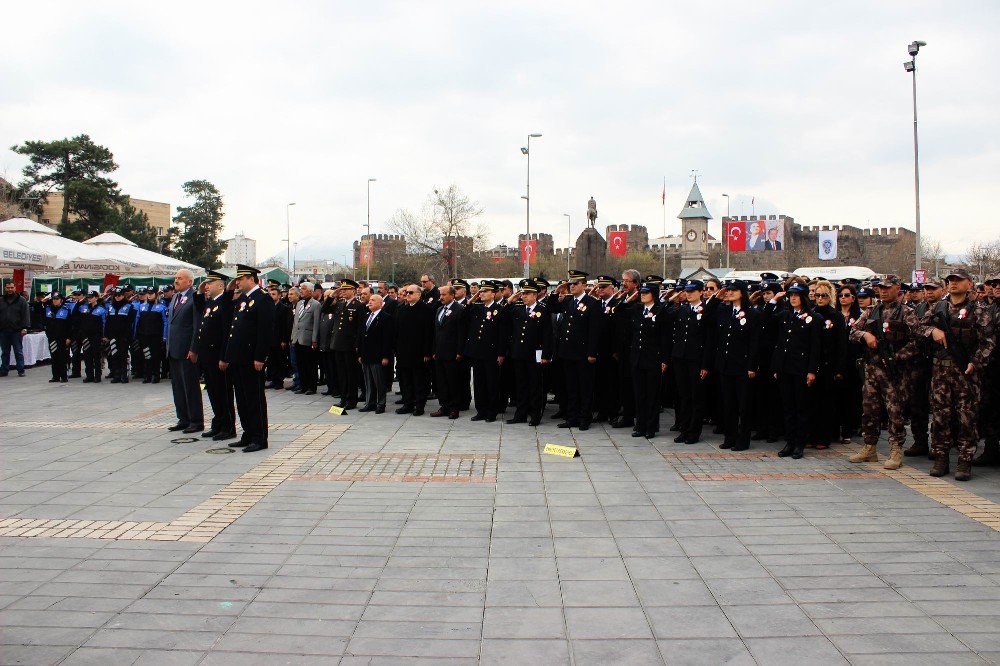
x,y
692,235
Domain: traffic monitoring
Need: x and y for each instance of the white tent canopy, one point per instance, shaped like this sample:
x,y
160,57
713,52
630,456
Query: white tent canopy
x,y
14,256
149,263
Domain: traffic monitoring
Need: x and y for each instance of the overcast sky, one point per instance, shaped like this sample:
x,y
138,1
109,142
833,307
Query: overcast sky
x,y
803,105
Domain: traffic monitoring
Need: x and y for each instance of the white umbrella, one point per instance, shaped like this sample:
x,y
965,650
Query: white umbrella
x,y
151,263
14,255
71,257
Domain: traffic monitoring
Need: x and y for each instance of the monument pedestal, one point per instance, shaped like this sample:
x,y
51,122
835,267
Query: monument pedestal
x,y
591,252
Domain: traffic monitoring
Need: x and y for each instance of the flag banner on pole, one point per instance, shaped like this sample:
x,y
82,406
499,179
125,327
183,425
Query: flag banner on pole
x,y
366,253
18,280
828,245
110,280
528,250
663,195
618,243
736,235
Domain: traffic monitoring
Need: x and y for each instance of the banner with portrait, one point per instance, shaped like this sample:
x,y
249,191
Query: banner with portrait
x,y
765,235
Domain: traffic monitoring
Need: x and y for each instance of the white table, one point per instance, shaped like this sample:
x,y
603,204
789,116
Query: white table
x,y
36,348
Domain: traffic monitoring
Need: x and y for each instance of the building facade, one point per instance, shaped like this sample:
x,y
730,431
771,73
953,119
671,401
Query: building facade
x,y
157,212
241,250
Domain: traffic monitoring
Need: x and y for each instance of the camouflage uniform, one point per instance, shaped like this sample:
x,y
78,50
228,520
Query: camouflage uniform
x,y
885,385
919,383
955,395
989,409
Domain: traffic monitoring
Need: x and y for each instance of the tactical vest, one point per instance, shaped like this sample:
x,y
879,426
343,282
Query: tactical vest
x,y
894,329
962,322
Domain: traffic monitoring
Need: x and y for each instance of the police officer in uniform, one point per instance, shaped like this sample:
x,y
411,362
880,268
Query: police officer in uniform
x,y
692,357
649,352
737,361
151,331
608,391
485,345
579,343
349,315
216,306
57,330
245,355
989,411
90,317
119,331
76,355
530,351
795,362
464,364
920,374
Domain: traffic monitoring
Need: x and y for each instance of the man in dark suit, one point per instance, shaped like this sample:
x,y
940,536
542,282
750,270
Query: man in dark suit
x,y
772,242
183,319
579,342
216,307
375,340
530,351
245,355
414,334
449,336
486,346
277,357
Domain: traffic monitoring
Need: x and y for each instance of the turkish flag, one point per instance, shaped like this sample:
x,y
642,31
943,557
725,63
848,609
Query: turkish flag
x,y
736,236
618,243
528,250
110,280
18,280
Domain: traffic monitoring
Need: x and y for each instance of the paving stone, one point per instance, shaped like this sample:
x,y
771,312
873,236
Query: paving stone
x,y
706,652
522,623
607,623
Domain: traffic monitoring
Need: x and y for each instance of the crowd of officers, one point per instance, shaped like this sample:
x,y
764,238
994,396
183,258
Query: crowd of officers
x,y
837,360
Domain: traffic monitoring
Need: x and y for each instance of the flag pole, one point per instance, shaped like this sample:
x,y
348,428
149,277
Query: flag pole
x,y
663,249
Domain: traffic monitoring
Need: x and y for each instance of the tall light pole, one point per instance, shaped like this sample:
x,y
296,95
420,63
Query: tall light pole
x,y
725,232
288,239
368,226
569,238
911,67
527,202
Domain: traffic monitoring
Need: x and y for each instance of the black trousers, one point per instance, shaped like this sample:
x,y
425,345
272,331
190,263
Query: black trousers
x,y
277,365
824,407
920,401
608,397
795,397
308,368
645,385
90,350
251,404
60,358
486,378
414,383
138,360
736,405
118,358
627,397
348,373
579,389
529,388
448,378
152,352
187,391
76,356
219,388
465,383
690,403
328,360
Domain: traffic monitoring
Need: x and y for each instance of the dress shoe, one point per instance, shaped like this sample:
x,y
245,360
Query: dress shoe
x,y
124,380
404,410
692,440
718,430
650,435
309,392
440,412
454,414
366,408
569,424
63,380
623,423
399,402
584,425
478,417
270,385
490,418
329,394
679,439
342,404
419,411
637,433
797,453
380,409
53,380
741,447
772,440
726,445
675,428
222,436
239,444
192,429
210,433
177,426
516,419
535,421
787,451
257,446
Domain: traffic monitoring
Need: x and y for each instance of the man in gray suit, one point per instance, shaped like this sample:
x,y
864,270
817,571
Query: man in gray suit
x,y
182,325
305,336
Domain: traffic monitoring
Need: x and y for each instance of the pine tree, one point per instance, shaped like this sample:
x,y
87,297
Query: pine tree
x,y
133,224
200,225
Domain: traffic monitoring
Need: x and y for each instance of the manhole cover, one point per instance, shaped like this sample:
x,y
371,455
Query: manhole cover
x,y
183,440
222,450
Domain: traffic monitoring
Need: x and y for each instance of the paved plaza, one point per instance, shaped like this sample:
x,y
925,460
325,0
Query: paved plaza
x,y
365,539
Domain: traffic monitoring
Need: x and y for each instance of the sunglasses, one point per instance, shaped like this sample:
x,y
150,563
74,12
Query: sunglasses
x,y
823,296
846,294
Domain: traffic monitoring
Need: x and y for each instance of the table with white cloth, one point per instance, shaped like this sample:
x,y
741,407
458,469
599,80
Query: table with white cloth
x,y
36,348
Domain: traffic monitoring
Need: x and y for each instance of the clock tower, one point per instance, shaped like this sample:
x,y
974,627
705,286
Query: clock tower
x,y
694,219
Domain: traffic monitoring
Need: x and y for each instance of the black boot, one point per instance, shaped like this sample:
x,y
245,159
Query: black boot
x,y
787,451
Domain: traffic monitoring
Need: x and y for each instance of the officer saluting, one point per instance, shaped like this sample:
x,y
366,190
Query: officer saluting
x,y
530,351
245,354
216,306
579,341
57,328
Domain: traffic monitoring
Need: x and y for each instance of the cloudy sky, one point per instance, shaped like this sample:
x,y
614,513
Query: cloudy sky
x,y
803,105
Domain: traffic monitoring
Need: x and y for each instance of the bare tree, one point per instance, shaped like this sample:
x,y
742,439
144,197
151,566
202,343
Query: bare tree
x,y
983,258
932,254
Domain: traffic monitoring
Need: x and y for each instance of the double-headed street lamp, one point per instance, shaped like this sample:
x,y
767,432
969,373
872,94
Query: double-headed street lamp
x,y
526,151
911,67
368,226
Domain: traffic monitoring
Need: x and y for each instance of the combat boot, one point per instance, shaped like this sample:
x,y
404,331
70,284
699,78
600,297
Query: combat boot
x,y
868,453
964,470
940,467
990,457
895,460
917,449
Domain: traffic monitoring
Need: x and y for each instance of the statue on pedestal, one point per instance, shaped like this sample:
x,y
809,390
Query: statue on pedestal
x,y
591,212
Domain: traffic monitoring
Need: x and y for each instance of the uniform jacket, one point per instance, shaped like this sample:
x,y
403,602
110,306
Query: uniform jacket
x,y
736,339
899,325
305,329
487,331
414,333
796,351
151,319
182,323
57,323
120,321
650,337
692,324
971,322
375,340
348,316
326,322
88,322
449,331
252,330
529,334
214,327
580,334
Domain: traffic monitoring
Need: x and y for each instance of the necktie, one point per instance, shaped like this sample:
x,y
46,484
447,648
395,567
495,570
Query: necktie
x,y
371,318
444,309
645,311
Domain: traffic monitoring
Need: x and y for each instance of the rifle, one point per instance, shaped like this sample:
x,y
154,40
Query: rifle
x,y
886,351
956,348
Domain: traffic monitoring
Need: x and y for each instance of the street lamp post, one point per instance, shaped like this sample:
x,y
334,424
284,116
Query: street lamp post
x,y
725,232
911,67
569,238
288,237
527,203
368,226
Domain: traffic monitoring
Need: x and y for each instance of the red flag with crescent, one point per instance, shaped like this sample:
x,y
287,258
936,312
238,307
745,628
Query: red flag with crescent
x,y
736,236
617,243
528,250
